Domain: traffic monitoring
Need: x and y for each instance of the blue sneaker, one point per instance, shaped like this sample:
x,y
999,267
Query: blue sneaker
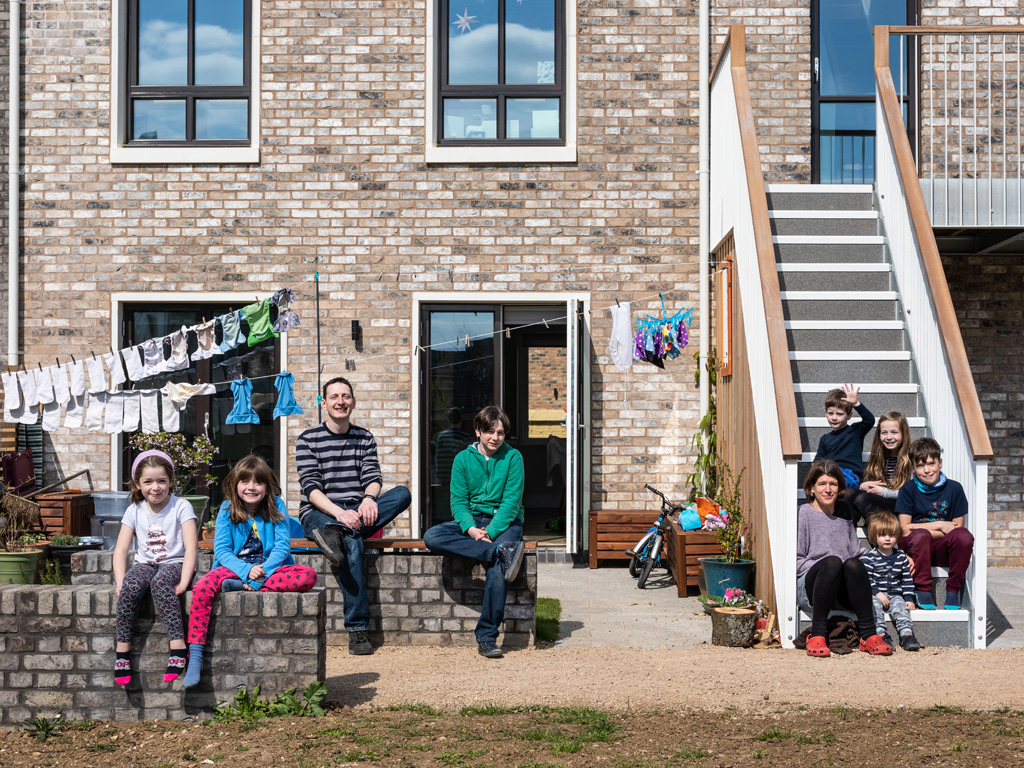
x,y
952,600
926,600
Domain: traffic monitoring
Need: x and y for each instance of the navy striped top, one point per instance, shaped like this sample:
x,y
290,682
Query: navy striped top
x,y
341,466
889,574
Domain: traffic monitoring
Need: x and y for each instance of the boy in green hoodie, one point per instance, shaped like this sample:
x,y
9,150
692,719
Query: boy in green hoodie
x,y
487,504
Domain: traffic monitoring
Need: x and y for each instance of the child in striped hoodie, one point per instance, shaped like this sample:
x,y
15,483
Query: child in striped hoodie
x,y
892,587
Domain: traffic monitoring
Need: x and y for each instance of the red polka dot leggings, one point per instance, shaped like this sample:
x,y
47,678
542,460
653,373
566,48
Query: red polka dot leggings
x,y
287,578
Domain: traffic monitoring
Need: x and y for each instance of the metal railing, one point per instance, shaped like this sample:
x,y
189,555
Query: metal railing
x,y
847,157
969,101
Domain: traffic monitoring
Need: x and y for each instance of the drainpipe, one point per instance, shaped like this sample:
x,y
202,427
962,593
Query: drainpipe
x,y
704,197
13,181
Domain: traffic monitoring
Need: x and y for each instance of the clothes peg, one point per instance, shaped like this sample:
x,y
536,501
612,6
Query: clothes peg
x,y
40,366
73,360
93,354
617,303
545,323
58,361
467,341
508,333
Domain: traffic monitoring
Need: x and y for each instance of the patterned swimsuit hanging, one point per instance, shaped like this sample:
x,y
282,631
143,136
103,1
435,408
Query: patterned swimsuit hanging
x,y
660,339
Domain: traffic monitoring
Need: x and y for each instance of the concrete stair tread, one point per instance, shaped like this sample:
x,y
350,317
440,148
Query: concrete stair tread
x,y
821,421
865,389
800,213
828,239
844,325
839,295
849,354
834,266
832,189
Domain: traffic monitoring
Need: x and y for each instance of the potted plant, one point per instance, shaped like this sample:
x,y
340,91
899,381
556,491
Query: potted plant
x,y
730,569
191,463
63,546
733,598
209,530
19,557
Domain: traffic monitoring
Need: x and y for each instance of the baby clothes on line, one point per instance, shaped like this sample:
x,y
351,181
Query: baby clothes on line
x,y
51,416
171,415
662,339
113,413
231,327
286,405
44,385
94,411
179,351
12,393
133,362
61,392
150,414
113,362
153,354
75,411
286,317
620,345
205,338
258,317
29,396
132,403
242,412
97,378
180,393
76,372
29,415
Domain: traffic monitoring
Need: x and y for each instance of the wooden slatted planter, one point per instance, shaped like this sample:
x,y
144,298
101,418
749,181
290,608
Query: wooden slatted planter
x,y
65,512
613,532
687,548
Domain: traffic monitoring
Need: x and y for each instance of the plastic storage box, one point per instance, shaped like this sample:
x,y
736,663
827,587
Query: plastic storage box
x,y
110,503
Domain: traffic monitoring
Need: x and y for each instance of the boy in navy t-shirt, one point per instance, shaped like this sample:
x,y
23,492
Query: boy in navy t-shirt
x,y
932,509
845,443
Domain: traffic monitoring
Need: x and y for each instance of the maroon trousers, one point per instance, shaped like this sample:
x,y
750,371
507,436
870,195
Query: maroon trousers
x,y
953,550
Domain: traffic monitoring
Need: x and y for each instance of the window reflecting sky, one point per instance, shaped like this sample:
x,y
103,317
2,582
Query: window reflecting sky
x,y
222,119
847,43
530,41
162,120
473,41
163,42
219,42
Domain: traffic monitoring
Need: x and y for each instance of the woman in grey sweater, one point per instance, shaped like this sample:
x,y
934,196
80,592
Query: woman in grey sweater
x,y
829,572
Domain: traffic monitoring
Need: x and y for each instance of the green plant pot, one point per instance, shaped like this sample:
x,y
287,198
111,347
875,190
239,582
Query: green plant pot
x,y
198,504
720,575
20,566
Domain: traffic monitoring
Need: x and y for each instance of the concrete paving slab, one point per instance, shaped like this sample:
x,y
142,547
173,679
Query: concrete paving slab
x,y
1005,621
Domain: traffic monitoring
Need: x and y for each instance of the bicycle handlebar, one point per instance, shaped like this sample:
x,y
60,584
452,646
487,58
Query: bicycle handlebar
x,y
655,491
664,502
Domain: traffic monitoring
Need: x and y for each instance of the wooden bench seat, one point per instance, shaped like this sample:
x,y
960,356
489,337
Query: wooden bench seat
x,y
384,543
612,532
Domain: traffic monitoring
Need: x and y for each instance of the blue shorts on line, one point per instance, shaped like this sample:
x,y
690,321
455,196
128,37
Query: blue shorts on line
x,y
852,481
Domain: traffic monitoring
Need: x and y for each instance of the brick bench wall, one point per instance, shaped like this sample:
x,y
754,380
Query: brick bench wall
x,y
57,653
416,597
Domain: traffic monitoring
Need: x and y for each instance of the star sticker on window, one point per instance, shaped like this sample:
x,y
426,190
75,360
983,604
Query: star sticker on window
x,y
463,22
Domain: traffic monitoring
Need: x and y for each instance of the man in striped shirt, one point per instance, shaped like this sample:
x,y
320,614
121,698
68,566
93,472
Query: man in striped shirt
x,y
341,502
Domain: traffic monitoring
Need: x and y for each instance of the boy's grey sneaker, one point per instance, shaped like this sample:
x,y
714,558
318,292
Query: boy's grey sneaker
x,y
359,643
490,650
909,643
510,555
328,539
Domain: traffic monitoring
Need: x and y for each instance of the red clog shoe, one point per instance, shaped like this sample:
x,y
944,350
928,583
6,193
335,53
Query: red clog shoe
x,y
816,646
876,646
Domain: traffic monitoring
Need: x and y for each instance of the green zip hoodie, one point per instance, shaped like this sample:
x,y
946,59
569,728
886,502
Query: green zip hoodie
x,y
488,487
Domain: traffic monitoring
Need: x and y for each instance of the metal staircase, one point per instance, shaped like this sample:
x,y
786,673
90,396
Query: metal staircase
x,y
845,323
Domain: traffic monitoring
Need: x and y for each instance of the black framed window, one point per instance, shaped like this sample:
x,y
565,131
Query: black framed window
x,y
189,81
501,72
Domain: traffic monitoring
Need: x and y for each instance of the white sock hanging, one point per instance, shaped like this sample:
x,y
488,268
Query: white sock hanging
x,y
44,385
150,414
74,413
77,373
29,415
116,371
61,391
97,378
51,417
113,414
132,406
172,419
12,392
94,411
27,381
132,362
620,345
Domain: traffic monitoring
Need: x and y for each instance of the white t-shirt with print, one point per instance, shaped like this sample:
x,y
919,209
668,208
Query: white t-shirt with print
x,y
158,537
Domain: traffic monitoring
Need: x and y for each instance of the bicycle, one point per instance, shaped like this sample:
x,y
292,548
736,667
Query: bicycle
x,y
647,552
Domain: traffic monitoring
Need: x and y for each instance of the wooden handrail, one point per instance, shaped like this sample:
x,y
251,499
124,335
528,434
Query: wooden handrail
x,y
778,348
935,276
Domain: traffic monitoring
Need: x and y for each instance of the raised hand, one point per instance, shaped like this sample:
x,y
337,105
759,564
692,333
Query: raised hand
x,y
852,394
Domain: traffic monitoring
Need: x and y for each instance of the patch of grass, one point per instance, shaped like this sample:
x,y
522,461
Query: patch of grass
x,y
251,709
757,754
454,758
417,747
335,732
775,734
843,713
464,734
538,765
420,709
691,754
80,725
489,710
597,725
942,709
549,611
241,749
958,746
824,738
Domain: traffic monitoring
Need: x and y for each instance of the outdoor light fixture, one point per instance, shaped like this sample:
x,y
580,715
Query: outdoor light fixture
x,y
357,335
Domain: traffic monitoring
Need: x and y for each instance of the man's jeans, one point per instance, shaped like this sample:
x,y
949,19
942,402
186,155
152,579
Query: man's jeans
x,y
350,573
449,539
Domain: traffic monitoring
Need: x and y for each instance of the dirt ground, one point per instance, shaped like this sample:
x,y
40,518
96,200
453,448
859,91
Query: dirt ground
x,y
541,708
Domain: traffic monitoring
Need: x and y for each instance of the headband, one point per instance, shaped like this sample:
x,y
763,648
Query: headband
x,y
146,455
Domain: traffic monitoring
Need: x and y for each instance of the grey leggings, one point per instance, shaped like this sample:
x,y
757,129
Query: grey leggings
x,y
161,581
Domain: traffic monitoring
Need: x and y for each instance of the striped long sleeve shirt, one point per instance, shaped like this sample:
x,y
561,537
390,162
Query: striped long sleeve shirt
x,y
340,466
889,574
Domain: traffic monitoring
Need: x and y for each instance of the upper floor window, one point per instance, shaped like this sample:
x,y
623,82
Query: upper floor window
x,y
188,72
501,73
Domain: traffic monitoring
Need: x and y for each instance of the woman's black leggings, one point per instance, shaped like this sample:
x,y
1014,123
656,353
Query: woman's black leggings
x,y
866,504
833,581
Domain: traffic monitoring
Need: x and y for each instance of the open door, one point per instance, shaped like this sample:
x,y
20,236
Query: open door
x,y
577,425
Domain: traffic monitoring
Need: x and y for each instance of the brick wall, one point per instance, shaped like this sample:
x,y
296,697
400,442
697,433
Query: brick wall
x,y
57,653
416,598
988,293
4,138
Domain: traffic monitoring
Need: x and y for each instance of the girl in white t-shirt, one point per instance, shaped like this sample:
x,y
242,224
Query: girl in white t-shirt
x,y
164,527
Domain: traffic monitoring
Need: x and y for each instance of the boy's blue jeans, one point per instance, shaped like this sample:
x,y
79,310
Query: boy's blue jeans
x,y
449,539
350,573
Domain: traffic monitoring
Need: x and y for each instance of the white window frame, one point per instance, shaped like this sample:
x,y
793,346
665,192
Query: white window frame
x,y
121,152
238,298
491,154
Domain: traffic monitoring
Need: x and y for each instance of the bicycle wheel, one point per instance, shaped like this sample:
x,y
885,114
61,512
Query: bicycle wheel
x,y
652,555
644,573
634,566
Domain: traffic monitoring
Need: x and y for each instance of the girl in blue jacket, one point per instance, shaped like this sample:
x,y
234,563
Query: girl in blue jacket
x,y
252,550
